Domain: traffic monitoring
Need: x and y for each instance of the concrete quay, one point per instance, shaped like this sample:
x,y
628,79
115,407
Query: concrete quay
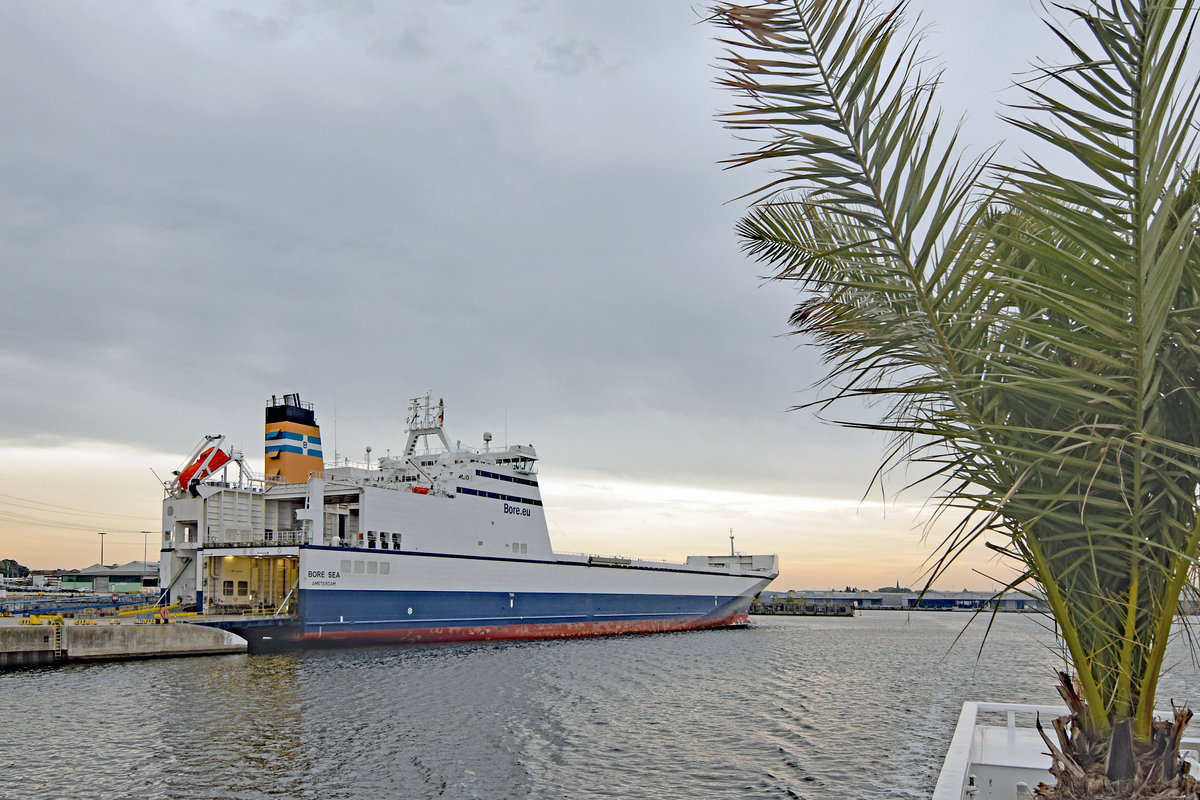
x,y
61,641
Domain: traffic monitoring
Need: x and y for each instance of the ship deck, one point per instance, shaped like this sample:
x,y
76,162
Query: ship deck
x,y
992,762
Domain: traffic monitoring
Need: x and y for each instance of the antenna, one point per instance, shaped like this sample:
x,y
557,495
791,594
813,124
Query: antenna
x,y
731,541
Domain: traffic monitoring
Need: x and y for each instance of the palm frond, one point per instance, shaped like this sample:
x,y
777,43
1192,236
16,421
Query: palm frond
x,y
1032,331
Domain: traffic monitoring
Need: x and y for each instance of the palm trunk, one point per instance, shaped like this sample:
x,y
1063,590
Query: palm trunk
x,y
1114,765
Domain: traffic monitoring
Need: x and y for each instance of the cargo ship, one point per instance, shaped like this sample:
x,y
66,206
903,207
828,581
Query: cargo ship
x,y
440,543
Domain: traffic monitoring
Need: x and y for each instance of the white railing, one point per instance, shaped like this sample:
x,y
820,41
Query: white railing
x,y
956,780
1012,753
265,539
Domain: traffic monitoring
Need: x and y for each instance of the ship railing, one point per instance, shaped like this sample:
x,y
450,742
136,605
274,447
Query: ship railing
x,y
611,560
268,539
1009,754
592,558
251,610
245,485
271,481
1019,715
290,537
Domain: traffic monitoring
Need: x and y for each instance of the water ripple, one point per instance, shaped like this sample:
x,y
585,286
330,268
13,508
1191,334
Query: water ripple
x,y
812,708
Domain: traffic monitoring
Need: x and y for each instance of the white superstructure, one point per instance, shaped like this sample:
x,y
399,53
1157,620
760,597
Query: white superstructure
x,y
442,541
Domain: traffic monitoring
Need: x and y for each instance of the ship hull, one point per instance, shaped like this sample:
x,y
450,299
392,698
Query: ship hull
x,y
432,598
293,633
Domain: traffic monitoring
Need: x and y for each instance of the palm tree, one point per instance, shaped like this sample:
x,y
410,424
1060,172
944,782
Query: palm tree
x,y
1032,331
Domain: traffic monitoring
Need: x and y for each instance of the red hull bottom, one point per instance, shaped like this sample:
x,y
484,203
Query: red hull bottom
x,y
531,631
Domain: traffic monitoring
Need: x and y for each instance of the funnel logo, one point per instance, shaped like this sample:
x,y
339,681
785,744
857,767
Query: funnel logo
x,y
279,442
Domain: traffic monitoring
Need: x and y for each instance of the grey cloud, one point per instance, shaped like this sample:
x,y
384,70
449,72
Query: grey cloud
x,y
409,45
194,217
571,57
272,27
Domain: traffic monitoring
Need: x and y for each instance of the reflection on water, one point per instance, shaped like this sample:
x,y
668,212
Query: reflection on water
x,y
792,708
245,737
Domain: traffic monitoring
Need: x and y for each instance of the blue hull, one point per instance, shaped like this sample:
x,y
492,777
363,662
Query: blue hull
x,y
344,616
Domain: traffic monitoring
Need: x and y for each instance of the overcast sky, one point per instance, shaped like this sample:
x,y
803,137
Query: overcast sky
x,y
515,205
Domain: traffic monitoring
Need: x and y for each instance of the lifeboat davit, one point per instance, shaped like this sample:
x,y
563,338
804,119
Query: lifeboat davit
x,y
203,465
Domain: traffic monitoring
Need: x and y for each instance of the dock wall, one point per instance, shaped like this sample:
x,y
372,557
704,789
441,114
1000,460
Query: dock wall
x,y
31,645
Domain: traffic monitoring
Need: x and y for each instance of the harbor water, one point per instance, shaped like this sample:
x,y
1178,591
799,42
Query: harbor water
x,y
793,707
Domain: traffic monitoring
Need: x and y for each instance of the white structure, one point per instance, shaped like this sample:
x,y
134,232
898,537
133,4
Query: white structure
x,y
443,542
997,754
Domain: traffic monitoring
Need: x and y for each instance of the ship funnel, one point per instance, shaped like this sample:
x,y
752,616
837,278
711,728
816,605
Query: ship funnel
x,y
293,440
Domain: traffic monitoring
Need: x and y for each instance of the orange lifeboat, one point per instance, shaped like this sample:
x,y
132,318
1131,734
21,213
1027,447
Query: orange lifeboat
x,y
202,466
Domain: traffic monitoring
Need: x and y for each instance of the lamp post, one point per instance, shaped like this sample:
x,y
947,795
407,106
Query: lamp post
x,y
145,555
102,534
